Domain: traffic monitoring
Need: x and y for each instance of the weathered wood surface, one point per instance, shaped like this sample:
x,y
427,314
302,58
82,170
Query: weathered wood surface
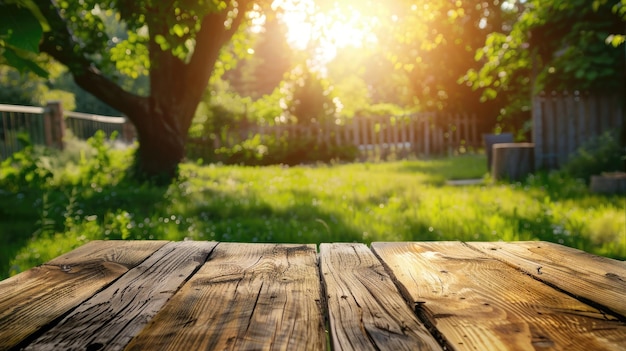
x,y
563,122
513,161
479,303
490,140
31,300
583,275
608,183
115,315
147,295
247,297
365,310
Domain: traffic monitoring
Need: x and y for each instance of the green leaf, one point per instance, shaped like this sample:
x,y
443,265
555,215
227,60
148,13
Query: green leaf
x,y
162,41
616,39
20,28
179,30
23,64
490,93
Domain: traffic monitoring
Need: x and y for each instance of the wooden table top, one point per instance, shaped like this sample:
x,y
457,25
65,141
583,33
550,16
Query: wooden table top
x,y
193,295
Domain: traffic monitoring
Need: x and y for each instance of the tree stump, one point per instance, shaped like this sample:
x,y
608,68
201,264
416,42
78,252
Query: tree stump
x,y
513,161
492,139
609,183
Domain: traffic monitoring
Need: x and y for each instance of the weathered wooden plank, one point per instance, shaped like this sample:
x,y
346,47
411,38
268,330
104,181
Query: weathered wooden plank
x,y
111,318
594,278
479,303
32,299
572,127
561,125
248,297
550,136
366,311
537,131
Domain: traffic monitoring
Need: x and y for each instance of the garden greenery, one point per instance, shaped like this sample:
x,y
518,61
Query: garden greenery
x,y
52,202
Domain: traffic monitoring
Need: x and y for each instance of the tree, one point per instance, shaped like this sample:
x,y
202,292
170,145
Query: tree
x,y
175,42
554,45
433,43
263,70
310,102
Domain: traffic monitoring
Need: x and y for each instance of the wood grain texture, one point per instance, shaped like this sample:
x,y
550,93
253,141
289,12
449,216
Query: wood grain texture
x,y
246,297
365,309
598,279
112,317
513,161
31,300
480,303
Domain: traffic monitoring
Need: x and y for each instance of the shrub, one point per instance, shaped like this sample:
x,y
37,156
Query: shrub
x,y
289,150
599,154
28,168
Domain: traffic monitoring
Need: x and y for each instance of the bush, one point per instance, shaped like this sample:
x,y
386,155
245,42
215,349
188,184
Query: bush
x,y
598,155
28,168
269,150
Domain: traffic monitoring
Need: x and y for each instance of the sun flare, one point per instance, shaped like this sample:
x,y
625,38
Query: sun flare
x,y
325,32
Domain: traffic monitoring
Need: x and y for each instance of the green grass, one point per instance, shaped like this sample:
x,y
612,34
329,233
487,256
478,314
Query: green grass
x,y
362,202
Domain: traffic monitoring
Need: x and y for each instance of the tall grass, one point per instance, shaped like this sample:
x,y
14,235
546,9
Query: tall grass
x,y
87,198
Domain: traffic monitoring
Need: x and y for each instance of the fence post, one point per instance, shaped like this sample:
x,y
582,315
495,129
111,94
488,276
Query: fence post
x,y
128,131
54,124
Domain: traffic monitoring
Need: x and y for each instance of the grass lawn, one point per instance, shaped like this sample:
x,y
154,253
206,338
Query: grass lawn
x,y
362,202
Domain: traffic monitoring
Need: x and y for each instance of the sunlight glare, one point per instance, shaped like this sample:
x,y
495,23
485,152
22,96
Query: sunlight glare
x,y
324,33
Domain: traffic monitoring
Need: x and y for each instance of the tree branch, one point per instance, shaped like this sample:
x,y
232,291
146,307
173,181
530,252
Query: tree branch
x,y
209,42
62,46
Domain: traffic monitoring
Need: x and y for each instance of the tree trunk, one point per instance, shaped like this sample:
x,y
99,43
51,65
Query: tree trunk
x,y
159,157
161,119
161,144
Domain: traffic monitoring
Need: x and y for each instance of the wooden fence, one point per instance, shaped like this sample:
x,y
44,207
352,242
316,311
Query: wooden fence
x,y
40,124
421,134
562,122
84,126
47,126
16,119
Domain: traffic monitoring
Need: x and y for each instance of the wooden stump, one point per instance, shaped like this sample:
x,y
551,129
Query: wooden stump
x,y
513,161
609,183
492,139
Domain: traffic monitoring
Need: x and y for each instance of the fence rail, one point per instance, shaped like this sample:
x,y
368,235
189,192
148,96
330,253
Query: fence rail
x,y
15,120
562,122
47,126
423,134
84,126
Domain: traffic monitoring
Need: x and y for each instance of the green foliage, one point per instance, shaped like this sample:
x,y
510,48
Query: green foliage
x,y
382,110
20,89
131,55
226,126
20,33
30,90
287,150
99,168
565,41
405,200
222,112
598,155
309,97
619,9
433,43
28,168
264,58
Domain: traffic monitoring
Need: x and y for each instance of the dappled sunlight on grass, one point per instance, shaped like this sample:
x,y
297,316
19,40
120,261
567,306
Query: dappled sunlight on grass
x,y
362,202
